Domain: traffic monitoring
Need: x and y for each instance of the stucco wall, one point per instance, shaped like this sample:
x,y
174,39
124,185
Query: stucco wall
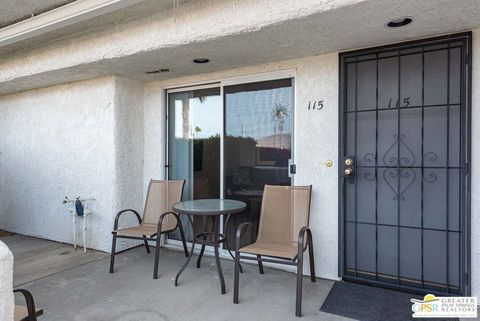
x,y
6,283
316,136
475,191
128,140
81,139
193,22
105,118
55,142
316,141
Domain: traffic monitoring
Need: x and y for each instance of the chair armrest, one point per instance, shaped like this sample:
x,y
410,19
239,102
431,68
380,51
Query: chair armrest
x,y
115,225
32,312
240,228
301,238
160,220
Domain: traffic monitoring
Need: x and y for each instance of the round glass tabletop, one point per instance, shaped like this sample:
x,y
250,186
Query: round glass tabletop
x,y
209,207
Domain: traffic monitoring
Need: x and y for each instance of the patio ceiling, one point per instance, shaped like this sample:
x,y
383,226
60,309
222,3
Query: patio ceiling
x,y
16,11
358,24
13,11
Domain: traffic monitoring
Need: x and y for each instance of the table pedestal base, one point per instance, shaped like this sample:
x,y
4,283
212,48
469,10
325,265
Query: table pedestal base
x,y
208,238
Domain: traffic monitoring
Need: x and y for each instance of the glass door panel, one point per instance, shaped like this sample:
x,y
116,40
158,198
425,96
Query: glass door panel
x,y
194,128
258,146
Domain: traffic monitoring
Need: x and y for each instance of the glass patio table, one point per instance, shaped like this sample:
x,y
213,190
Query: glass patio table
x,y
208,208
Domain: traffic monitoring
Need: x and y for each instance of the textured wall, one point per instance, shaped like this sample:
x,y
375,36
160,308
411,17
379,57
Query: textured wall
x,y
6,283
194,21
54,142
475,210
232,33
316,136
81,139
154,133
128,139
316,140
39,129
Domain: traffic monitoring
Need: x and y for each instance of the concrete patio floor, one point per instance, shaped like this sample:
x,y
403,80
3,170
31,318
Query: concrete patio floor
x,y
88,292
36,258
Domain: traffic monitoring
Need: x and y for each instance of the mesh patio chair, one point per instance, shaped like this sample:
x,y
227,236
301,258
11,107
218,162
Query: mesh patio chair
x,y
28,312
158,219
283,224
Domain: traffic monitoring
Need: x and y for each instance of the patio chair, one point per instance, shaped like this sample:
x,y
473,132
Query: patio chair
x,y
283,224
28,312
158,219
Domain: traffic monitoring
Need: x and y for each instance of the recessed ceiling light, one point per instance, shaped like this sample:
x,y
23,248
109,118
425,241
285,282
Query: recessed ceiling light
x,y
399,22
201,60
158,71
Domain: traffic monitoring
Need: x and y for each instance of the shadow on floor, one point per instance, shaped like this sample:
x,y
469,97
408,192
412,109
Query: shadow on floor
x,y
36,258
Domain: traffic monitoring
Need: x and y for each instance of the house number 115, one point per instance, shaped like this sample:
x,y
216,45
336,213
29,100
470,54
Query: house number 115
x,y
315,105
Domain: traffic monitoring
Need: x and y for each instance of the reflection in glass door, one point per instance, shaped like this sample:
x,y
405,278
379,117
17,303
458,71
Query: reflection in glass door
x,y
194,128
254,121
258,145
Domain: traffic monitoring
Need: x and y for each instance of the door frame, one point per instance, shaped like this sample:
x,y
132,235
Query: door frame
x,y
465,248
221,84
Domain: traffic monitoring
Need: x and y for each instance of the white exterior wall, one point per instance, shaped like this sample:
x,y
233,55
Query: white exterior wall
x,y
39,162
316,141
81,139
6,283
128,139
316,136
55,142
475,190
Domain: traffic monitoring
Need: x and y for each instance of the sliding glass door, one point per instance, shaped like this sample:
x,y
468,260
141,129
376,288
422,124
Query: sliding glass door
x,y
235,144
258,146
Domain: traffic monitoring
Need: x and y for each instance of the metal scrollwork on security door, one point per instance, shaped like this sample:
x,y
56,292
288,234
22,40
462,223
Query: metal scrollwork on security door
x,y
391,175
389,159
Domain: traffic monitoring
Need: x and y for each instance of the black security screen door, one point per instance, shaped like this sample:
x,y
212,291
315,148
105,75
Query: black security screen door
x,y
404,176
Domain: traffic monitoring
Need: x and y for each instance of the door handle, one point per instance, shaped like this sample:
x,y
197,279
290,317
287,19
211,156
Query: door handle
x,y
349,162
292,168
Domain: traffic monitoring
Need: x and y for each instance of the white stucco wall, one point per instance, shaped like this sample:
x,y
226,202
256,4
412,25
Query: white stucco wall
x,y
193,22
6,283
316,141
80,139
475,190
38,160
128,140
316,136
55,142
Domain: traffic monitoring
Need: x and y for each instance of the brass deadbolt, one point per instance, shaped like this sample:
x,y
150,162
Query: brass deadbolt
x,y
348,172
348,161
329,163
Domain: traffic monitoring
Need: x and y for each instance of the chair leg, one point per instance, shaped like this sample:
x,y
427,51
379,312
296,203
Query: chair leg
x,y
260,264
157,256
147,247
112,254
236,277
298,307
312,262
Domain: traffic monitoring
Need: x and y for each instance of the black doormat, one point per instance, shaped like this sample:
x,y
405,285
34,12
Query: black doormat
x,y
367,303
